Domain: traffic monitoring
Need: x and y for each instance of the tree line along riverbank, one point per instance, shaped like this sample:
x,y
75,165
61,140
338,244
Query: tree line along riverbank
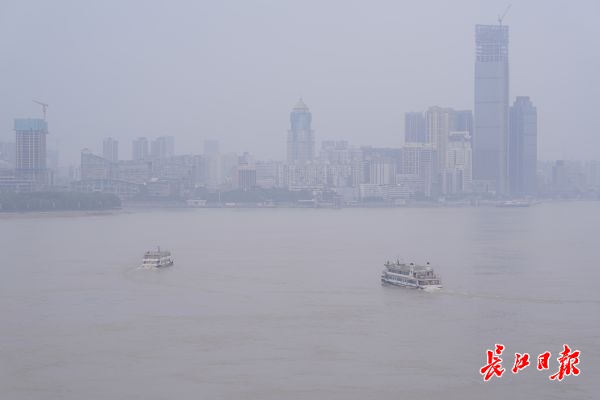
x,y
57,201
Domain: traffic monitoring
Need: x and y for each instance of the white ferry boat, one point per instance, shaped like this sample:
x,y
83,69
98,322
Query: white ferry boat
x,y
410,275
157,258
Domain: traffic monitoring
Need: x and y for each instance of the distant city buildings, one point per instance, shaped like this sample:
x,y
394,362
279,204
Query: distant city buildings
x,y
110,149
457,174
301,137
162,147
94,167
417,170
592,174
134,171
172,176
139,149
246,177
267,174
436,164
427,127
522,148
445,141
212,164
449,155
97,173
490,136
439,122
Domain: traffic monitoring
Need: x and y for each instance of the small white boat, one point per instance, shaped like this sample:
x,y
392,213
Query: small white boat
x,y
410,275
157,259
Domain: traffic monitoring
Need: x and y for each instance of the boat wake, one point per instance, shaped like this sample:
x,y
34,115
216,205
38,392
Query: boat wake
x,y
517,299
147,268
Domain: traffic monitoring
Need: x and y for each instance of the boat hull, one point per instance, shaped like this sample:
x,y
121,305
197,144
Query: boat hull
x,y
427,288
157,266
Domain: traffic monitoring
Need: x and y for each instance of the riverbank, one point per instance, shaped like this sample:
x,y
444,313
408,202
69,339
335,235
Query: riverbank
x,y
58,201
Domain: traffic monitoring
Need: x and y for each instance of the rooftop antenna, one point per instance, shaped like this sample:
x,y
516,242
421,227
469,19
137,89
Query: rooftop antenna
x,y
44,107
501,17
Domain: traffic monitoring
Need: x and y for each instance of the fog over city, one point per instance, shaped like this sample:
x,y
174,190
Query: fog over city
x,y
232,70
291,200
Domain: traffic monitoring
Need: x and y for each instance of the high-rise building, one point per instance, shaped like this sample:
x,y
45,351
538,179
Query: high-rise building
x,y
139,149
434,129
522,148
110,149
414,127
163,147
31,149
490,136
457,174
301,137
439,122
414,169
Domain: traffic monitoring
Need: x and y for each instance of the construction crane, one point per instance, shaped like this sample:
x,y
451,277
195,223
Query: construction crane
x,y
501,17
44,107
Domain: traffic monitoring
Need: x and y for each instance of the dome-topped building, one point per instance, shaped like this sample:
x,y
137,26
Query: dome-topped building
x,y
301,105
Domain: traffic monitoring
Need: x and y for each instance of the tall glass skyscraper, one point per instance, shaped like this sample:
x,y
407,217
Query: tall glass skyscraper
x,y
301,137
490,137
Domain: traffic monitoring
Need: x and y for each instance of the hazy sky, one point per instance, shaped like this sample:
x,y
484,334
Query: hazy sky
x,y
232,70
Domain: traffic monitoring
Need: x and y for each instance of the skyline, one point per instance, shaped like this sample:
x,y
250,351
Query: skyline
x,y
275,199
245,106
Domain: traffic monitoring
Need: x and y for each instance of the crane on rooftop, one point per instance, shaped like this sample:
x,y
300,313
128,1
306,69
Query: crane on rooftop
x,y
501,17
44,107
